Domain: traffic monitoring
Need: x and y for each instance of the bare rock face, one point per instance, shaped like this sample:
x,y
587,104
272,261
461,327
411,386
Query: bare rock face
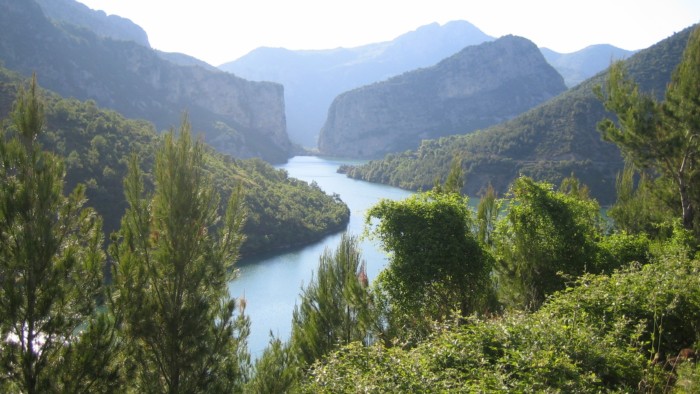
x,y
235,116
477,87
313,78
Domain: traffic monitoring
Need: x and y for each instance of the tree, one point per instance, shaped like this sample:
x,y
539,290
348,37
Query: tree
x,y
455,179
51,263
171,273
335,307
276,371
543,235
663,137
487,215
436,264
641,206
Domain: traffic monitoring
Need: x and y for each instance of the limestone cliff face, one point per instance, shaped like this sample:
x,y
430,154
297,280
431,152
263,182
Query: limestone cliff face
x,y
478,87
313,78
235,116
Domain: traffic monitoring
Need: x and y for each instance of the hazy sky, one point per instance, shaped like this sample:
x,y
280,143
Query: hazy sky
x,y
218,31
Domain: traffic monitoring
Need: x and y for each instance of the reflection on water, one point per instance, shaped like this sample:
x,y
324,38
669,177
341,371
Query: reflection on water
x,y
272,284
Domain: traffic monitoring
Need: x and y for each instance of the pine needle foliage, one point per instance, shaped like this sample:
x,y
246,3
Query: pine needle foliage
x,y
51,263
173,257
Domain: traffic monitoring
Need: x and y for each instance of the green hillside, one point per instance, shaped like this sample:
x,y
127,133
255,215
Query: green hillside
x,y
546,143
96,145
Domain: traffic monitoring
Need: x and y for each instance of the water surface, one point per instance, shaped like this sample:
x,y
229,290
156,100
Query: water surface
x,y
272,284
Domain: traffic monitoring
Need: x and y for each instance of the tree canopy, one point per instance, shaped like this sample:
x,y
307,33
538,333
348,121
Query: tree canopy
x,y
173,260
660,136
51,263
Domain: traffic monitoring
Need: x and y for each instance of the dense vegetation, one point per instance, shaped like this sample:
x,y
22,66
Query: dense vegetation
x,y
571,301
546,143
96,145
534,292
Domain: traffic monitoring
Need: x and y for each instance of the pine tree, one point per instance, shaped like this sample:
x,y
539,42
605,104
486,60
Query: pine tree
x,y
662,137
51,263
170,277
335,306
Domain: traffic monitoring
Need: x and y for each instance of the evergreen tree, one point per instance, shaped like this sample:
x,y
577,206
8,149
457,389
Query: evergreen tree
x,y
276,371
335,307
663,137
170,277
51,263
487,214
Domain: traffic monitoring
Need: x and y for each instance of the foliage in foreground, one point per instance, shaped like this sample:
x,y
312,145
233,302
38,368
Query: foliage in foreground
x,y
436,265
173,263
51,263
600,335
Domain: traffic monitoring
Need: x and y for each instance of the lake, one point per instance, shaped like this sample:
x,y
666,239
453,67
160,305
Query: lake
x,y
272,284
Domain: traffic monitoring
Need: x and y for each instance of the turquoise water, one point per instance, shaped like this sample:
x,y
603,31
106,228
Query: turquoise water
x,y
272,284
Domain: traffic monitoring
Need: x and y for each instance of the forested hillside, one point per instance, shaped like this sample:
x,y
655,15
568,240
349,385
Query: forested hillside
x,y
548,143
535,291
236,116
97,143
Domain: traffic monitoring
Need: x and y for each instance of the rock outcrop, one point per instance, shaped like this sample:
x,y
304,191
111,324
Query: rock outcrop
x,y
235,116
477,87
313,78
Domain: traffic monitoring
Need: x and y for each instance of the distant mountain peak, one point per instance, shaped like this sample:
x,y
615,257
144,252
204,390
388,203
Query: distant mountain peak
x,y
78,14
479,86
313,78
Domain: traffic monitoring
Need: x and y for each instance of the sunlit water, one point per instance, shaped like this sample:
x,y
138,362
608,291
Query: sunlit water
x,y
271,285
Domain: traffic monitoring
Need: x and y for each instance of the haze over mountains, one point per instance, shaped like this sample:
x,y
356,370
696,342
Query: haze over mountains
x,y
89,55
549,142
312,79
236,116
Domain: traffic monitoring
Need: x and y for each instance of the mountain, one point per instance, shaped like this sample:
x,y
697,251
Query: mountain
x,y
108,26
548,143
480,86
96,145
312,79
236,116
185,60
578,66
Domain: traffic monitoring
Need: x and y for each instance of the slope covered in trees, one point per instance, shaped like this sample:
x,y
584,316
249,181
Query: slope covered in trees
x,y
236,116
547,143
96,145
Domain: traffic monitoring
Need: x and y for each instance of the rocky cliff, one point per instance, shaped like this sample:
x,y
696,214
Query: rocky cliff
x,y
313,78
235,116
479,86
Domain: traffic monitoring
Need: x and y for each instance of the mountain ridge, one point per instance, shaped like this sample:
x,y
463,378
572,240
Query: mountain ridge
x,y
547,143
78,14
313,78
479,86
236,116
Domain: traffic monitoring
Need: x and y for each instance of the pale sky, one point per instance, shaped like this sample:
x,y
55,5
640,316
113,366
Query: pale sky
x,y
218,31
